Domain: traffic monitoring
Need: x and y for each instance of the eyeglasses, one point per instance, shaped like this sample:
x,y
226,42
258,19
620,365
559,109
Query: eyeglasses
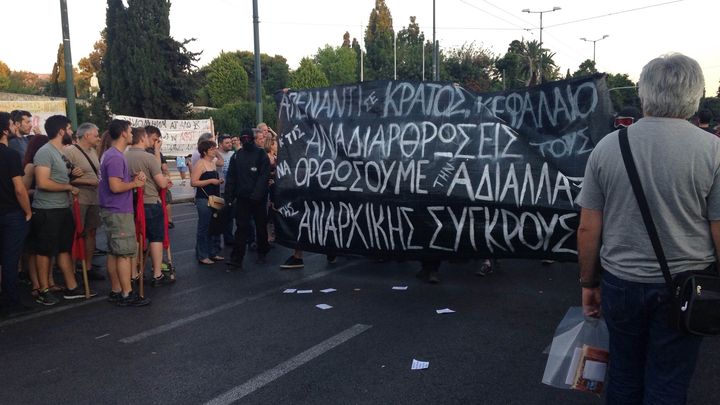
x,y
624,121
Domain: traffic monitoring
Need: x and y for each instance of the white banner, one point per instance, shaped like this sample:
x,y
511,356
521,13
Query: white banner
x,y
41,110
179,136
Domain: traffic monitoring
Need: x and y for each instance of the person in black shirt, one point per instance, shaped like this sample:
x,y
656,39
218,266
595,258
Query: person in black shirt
x,y
15,214
246,189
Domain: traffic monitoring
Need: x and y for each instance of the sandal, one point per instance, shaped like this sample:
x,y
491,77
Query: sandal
x,y
217,258
35,292
206,262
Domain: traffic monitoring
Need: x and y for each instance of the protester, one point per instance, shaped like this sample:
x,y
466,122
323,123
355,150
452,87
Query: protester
x,y
182,168
116,211
154,148
246,190
140,161
15,214
650,362
23,123
195,157
704,118
84,156
226,151
236,144
206,180
29,257
52,224
271,148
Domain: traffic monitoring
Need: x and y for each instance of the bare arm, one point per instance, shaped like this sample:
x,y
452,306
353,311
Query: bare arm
x,y
118,186
715,232
84,182
219,162
589,241
22,196
161,180
28,176
44,182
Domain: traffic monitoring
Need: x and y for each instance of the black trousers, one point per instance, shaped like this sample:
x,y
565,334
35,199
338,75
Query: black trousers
x,y
246,209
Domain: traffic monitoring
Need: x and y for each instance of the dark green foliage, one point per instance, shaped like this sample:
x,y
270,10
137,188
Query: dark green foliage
x,y
95,111
233,117
274,72
622,91
379,43
712,104
472,67
227,81
307,76
585,69
338,64
146,72
410,42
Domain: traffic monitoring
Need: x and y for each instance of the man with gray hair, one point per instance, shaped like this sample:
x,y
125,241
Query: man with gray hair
x,y
679,169
84,155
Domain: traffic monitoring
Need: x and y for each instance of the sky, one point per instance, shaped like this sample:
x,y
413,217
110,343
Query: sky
x,y
638,31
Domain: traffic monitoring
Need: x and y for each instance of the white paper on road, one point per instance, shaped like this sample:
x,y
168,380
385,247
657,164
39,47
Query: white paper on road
x,y
444,311
328,290
323,306
304,291
289,291
419,365
400,287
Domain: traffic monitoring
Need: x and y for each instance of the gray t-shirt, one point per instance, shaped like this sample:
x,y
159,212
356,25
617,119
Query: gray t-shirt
x,y
679,168
49,156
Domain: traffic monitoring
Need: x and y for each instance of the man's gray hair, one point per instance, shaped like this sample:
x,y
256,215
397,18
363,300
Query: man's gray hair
x,y
84,128
671,86
207,136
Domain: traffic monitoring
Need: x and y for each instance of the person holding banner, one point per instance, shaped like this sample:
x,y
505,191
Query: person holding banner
x,y
116,210
83,155
140,161
678,166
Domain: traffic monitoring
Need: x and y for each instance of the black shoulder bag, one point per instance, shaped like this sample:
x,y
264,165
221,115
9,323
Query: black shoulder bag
x,y
694,296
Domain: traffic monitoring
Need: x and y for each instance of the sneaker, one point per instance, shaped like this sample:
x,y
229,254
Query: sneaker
x,y
162,280
486,268
114,296
46,298
76,293
293,263
133,300
331,259
547,262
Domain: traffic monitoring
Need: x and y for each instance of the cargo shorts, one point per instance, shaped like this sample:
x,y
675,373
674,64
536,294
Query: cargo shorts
x,y
120,229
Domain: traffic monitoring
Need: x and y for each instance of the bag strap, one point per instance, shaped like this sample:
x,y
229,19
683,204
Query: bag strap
x,y
643,204
88,159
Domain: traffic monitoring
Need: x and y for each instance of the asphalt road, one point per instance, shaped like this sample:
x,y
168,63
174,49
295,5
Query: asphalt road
x,y
216,337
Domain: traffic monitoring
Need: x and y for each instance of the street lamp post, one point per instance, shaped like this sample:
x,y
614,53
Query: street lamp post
x,y
594,41
527,10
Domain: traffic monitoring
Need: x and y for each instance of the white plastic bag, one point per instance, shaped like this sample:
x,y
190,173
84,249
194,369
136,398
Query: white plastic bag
x,y
574,331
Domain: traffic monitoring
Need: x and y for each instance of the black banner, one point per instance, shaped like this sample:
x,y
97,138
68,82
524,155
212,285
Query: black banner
x,y
429,170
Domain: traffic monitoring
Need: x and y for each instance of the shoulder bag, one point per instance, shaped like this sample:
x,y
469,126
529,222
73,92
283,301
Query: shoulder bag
x,y
694,306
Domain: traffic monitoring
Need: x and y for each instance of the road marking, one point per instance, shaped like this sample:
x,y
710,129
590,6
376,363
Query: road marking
x,y
102,336
281,369
48,312
204,314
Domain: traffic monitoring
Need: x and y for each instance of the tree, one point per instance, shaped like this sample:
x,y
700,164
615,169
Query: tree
x,y
227,80
473,67
410,42
346,40
338,64
308,75
146,72
586,68
91,64
4,76
623,91
274,72
379,43
522,62
26,83
57,77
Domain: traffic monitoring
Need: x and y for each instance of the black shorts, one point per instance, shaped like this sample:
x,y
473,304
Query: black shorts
x,y
154,222
51,231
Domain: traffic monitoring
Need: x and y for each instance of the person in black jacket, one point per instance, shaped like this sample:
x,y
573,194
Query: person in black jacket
x,y
246,189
